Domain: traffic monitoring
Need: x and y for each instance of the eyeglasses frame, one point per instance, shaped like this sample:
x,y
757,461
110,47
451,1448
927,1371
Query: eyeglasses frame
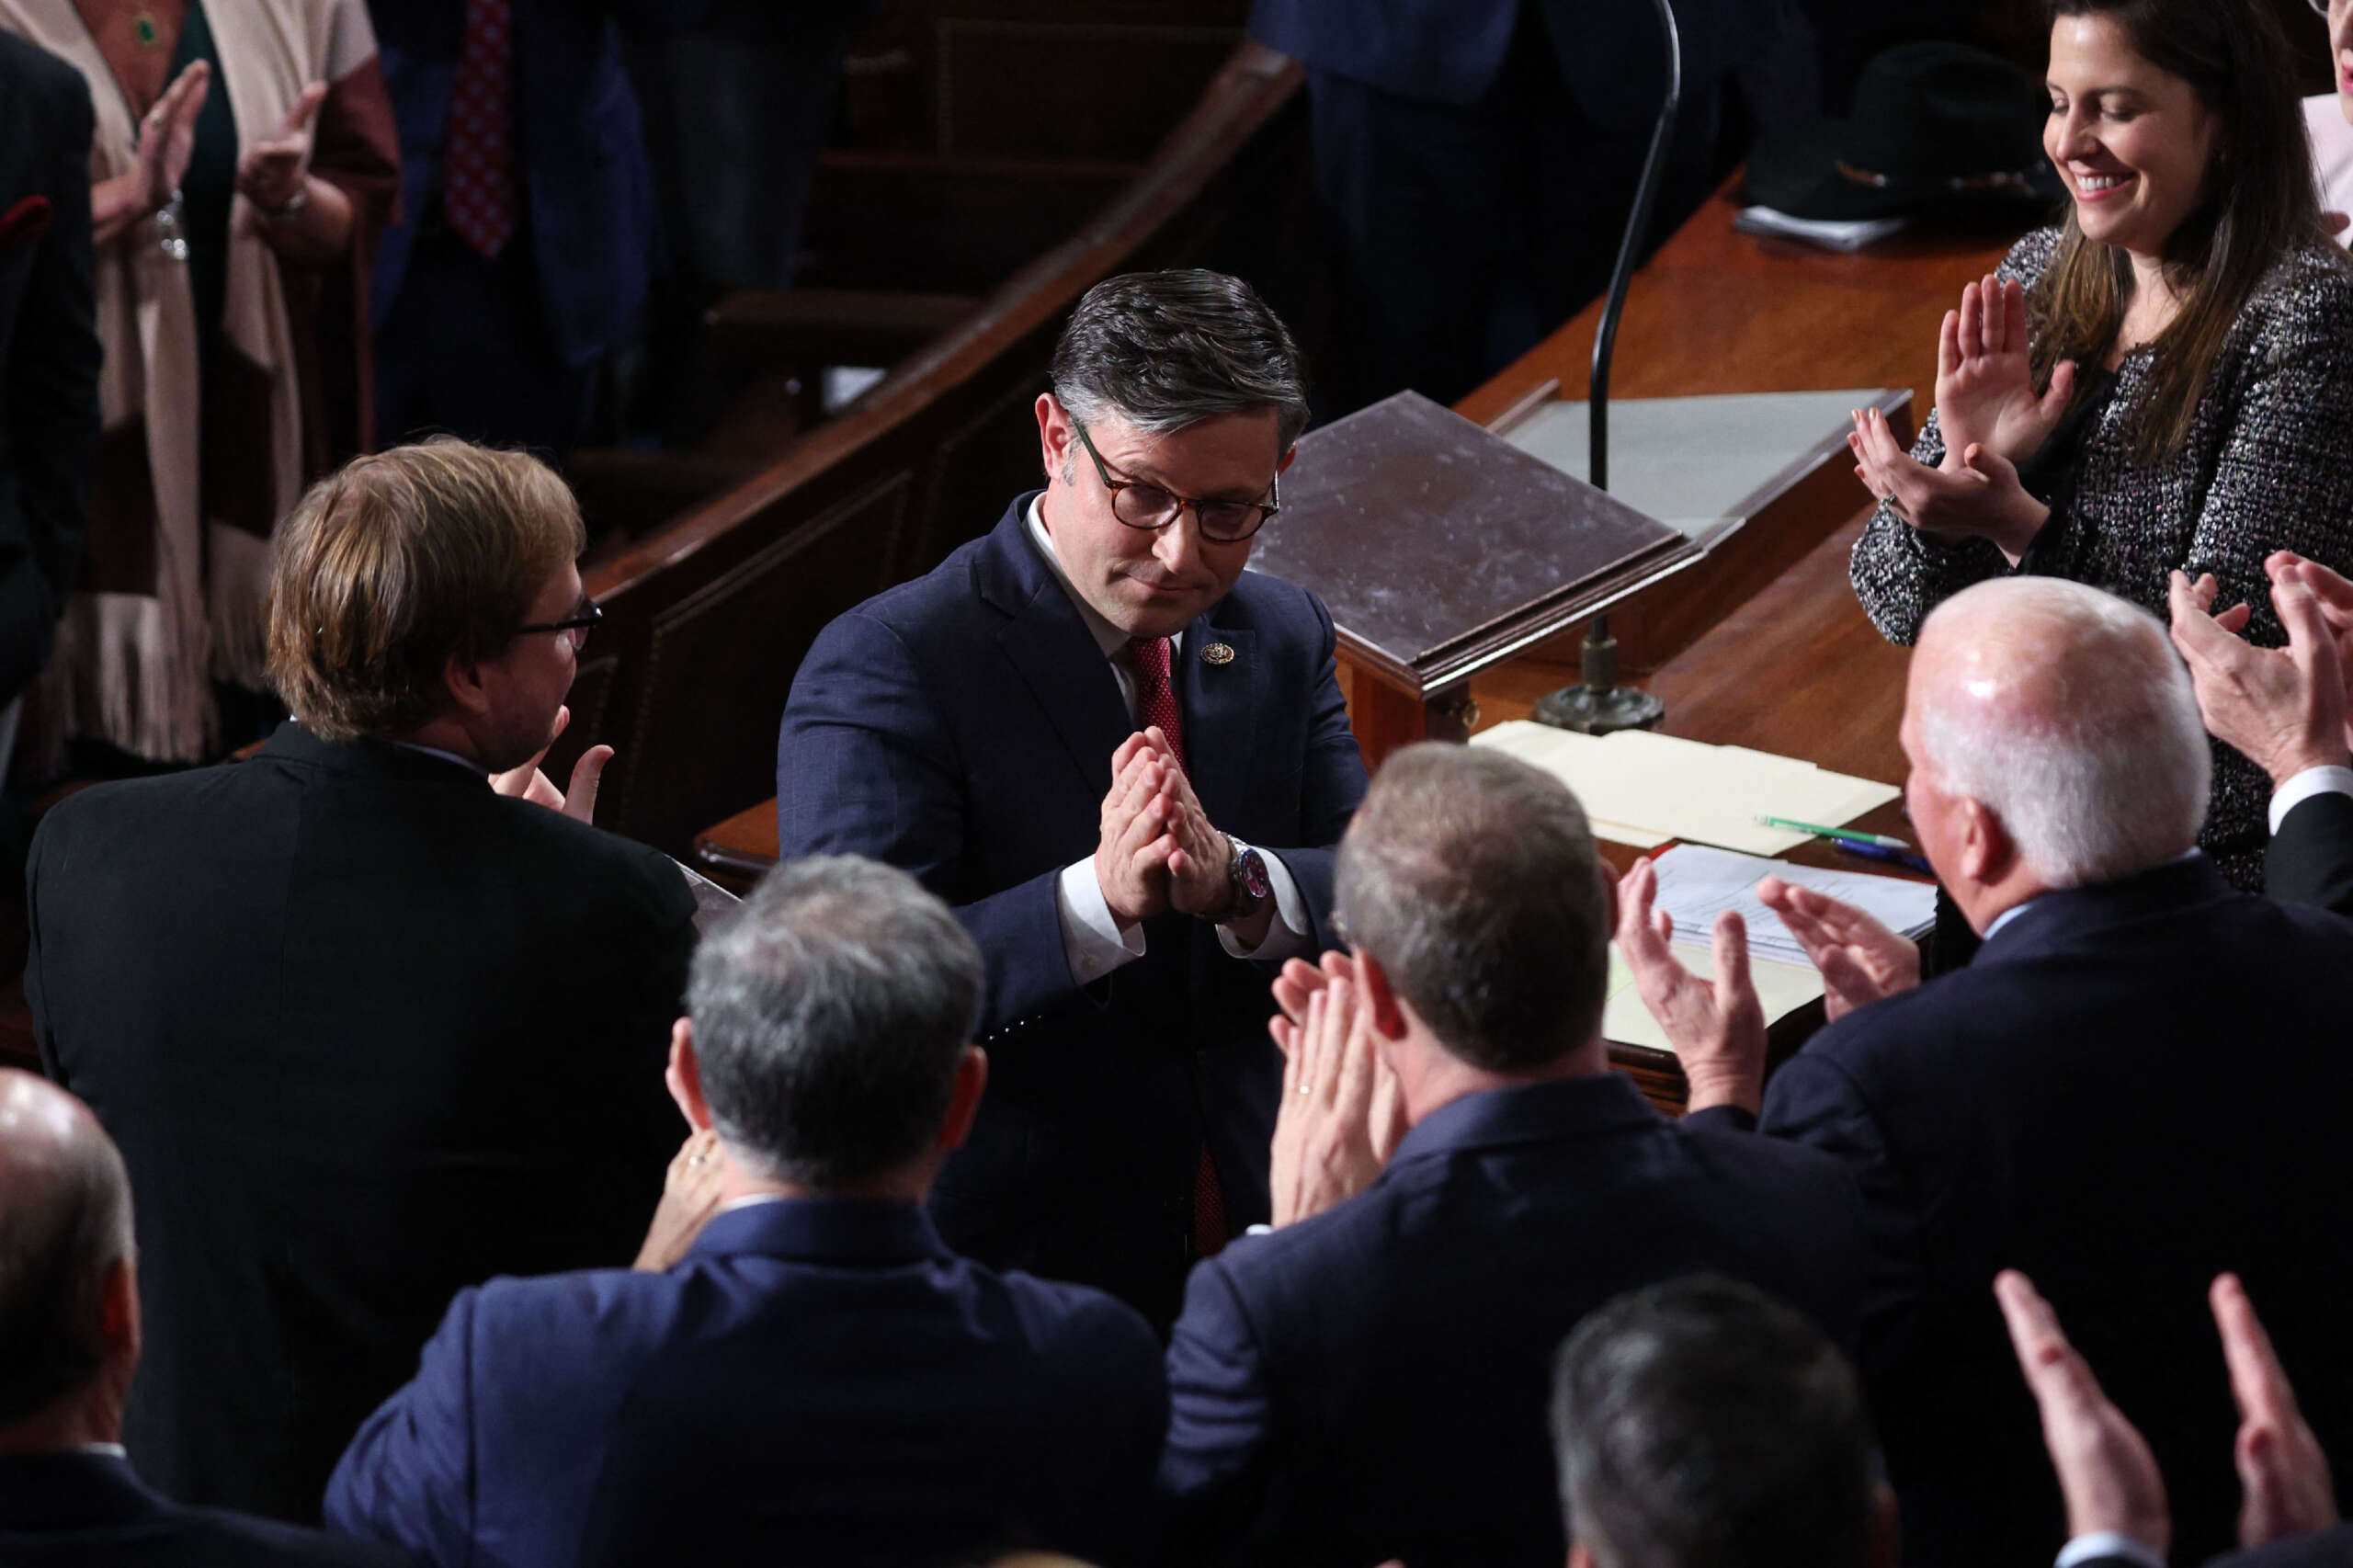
x,y
589,614
1266,509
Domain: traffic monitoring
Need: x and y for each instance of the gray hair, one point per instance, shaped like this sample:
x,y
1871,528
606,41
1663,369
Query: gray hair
x,y
1701,1424
830,1011
64,1220
2100,767
1162,350
1472,878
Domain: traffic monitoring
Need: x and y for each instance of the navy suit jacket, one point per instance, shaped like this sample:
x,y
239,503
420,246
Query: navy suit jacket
x,y
1612,51
961,726
587,188
91,1511
820,1381
2131,1088
2309,860
1372,1383
49,350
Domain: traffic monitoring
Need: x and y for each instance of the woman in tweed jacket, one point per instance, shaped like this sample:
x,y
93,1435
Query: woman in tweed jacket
x,y
2203,431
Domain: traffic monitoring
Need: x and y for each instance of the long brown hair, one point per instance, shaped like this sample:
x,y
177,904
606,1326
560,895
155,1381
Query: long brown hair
x,y
2258,205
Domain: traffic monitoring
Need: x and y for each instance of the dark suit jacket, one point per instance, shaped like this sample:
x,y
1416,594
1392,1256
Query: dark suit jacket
x,y
2321,1548
1372,1383
366,1032
2132,1087
961,726
587,190
91,1511
819,1382
49,349
2309,860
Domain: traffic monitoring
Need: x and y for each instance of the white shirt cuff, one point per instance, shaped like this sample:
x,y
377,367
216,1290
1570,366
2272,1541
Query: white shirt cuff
x,y
2108,1543
1291,933
2304,786
1093,939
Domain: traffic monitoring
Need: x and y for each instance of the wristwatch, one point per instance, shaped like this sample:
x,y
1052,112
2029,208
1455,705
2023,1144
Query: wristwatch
x,y
1247,884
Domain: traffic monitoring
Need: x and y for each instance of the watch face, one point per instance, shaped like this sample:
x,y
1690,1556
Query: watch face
x,y
1252,873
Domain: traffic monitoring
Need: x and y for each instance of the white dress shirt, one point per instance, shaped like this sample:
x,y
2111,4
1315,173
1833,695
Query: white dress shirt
x,y
1093,938
2303,786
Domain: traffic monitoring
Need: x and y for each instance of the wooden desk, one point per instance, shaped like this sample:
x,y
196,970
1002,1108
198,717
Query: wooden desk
x,y
1715,311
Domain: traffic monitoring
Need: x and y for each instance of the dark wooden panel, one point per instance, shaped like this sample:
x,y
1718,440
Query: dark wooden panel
x,y
719,661
943,226
1046,89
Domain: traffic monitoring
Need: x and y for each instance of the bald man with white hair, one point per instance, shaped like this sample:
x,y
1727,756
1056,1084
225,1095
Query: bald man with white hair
x,y
69,1347
2140,1080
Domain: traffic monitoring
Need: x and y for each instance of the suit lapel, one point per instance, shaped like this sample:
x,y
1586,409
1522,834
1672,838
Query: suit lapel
x,y
1221,703
1053,650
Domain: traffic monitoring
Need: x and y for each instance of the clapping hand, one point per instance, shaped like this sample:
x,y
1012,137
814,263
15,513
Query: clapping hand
x,y
167,134
1974,493
1717,1026
1198,852
1860,960
689,1198
1132,841
1984,380
2284,708
528,783
273,170
2107,1473
1341,1115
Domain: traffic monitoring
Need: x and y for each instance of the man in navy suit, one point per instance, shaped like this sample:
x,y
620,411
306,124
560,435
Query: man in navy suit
x,y
1124,762
1371,1382
2139,1082
69,1349
817,1379
527,205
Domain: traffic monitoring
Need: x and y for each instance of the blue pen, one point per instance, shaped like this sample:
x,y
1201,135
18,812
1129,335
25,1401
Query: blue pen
x,y
1902,858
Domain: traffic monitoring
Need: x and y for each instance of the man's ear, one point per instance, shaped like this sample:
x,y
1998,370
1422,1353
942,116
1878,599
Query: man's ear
x,y
1887,1527
1988,853
1053,436
1284,466
1388,1015
684,1076
964,1098
1580,1558
466,688
118,1325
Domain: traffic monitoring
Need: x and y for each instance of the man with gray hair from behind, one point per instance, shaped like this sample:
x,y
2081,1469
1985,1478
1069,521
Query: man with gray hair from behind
x,y
2139,1082
798,1369
1458,1177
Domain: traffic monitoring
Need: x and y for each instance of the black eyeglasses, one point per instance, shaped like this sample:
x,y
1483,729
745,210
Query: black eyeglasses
x,y
576,625
1150,508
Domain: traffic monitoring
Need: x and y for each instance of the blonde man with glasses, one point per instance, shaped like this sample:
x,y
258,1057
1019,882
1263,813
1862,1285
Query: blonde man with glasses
x,y
1123,762
366,1028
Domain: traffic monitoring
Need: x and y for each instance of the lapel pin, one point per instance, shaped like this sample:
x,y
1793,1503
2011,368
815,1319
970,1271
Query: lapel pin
x,y
1218,653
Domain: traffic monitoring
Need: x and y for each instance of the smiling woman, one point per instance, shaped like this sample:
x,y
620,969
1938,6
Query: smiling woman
x,y
2162,381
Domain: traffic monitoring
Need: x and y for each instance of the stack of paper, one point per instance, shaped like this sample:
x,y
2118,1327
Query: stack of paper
x,y
1643,789
1696,884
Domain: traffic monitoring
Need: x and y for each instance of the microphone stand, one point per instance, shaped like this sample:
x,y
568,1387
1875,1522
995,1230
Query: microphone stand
x,y
1601,705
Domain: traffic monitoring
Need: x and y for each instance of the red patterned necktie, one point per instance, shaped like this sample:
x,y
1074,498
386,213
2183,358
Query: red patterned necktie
x,y
1156,704
1155,695
478,159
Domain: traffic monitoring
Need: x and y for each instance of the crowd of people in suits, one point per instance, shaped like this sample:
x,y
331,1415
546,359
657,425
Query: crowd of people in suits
x,y
1120,1127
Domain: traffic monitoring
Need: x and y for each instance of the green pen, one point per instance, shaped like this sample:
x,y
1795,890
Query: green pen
x,y
1846,834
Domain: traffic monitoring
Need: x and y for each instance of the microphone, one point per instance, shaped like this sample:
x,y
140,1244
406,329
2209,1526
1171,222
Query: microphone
x,y
1600,705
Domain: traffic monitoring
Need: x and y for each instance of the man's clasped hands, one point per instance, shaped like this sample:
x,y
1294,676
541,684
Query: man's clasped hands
x,y
1157,849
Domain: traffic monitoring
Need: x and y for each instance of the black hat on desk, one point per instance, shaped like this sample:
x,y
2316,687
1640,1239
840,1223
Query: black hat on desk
x,y
1939,130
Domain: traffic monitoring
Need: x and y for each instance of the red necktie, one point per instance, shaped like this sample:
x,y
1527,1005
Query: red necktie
x,y
1156,704
477,159
1155,696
